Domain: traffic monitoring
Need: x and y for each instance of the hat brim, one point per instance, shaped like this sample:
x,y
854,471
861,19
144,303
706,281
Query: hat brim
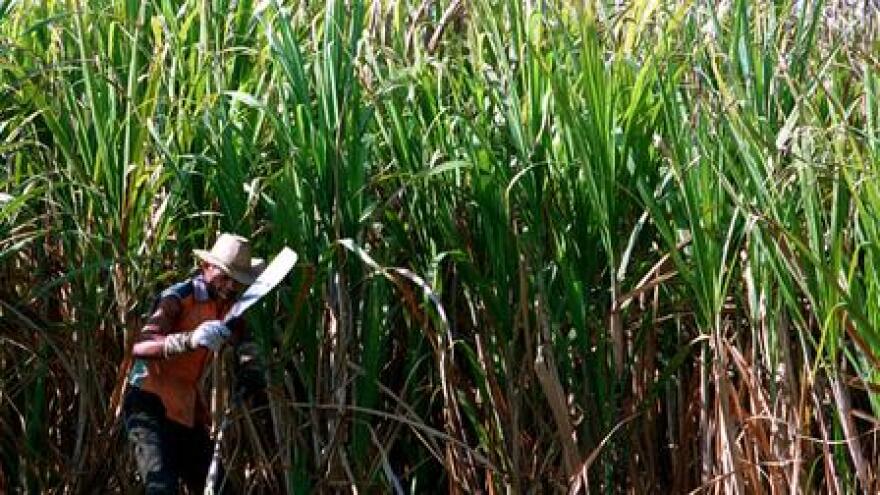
x,y
241,276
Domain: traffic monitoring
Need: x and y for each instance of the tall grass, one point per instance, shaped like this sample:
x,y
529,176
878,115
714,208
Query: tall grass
x,y
546,247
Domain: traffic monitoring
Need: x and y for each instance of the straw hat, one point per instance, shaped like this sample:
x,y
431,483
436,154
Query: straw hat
x,y
232,254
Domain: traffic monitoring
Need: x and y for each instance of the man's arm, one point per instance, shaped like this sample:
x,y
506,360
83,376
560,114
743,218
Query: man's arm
x,y
151,342
249,369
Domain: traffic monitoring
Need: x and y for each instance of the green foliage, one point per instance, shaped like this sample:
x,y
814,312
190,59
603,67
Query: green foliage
x,y
544,246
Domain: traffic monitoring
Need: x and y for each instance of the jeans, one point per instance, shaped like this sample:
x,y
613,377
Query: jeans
x,y
166,451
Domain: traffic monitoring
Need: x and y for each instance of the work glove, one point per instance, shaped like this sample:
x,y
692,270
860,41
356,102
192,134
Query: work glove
x,y
211,334
250,381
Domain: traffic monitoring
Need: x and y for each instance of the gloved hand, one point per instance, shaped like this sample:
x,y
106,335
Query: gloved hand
x,y
250,381
249,388
211,334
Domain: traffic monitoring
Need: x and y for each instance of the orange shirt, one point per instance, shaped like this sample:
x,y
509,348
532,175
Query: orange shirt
x,y
175,379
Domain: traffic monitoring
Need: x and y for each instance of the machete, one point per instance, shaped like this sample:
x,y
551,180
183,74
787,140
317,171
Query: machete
x,y
268,279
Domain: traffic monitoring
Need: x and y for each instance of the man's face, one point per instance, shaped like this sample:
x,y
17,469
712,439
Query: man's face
x,y
221,285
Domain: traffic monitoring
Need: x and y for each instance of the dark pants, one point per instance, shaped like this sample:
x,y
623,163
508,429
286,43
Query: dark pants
x,y
165,450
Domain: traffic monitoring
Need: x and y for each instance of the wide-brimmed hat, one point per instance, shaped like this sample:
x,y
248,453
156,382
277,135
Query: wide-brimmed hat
x,y
232,254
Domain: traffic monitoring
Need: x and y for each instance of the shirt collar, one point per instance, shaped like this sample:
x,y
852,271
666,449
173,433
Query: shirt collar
x,y
200,288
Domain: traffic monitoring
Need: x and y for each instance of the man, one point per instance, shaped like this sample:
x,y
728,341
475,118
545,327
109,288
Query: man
x,y
165,414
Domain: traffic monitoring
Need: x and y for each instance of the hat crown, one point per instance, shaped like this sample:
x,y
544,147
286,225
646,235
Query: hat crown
x,y
233,251
232,254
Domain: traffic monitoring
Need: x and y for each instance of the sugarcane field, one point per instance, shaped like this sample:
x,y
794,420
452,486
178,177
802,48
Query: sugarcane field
x,y
440,247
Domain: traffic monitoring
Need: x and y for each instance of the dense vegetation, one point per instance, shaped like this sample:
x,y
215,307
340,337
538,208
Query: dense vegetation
x,y
545,245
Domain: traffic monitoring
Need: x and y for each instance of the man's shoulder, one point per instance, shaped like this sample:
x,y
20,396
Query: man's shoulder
x,y
193,288
180,290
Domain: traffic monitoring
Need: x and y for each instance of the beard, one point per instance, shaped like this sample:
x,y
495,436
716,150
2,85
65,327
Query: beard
x,y
221,293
